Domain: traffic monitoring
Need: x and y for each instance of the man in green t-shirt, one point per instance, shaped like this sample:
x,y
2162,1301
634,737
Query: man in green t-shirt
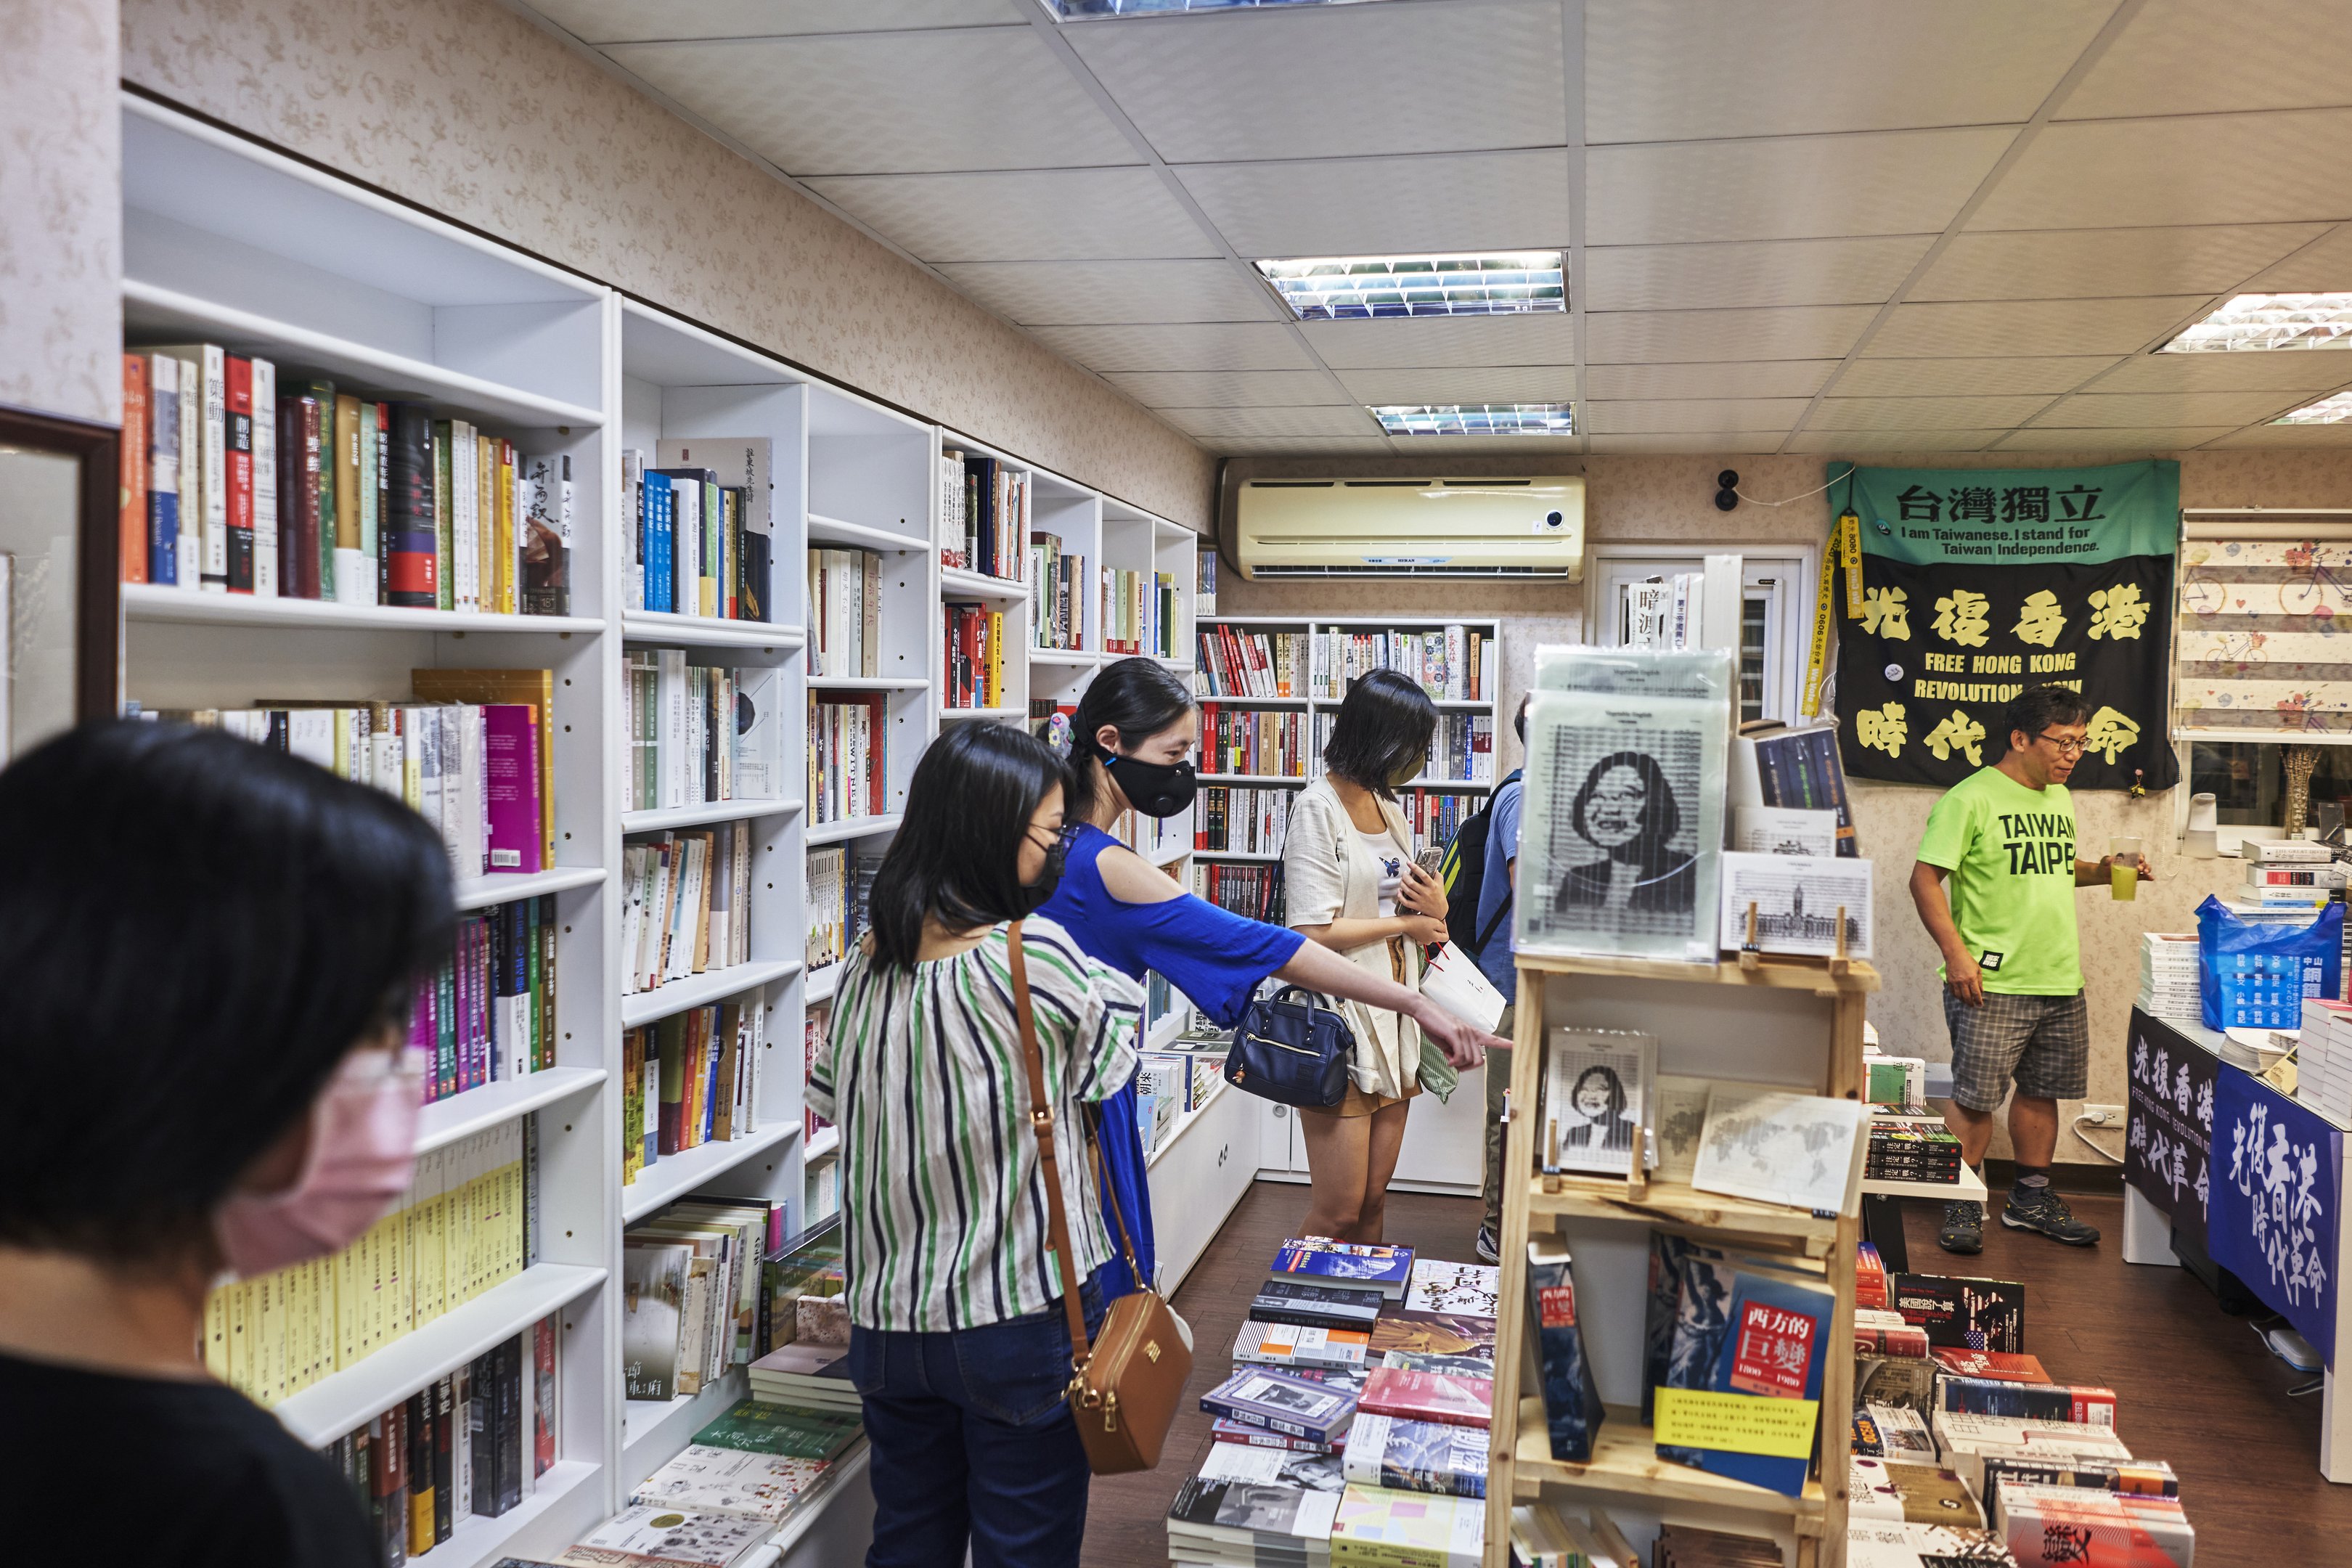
x,y
2012,968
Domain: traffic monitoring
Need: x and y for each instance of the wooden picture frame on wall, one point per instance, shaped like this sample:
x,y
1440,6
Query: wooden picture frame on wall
x,y
60,503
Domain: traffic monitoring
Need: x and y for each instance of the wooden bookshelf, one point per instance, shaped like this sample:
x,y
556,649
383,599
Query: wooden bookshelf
x,y
1787,1021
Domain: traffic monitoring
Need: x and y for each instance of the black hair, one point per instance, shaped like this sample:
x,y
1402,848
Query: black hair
x,y
957,855
1384,722
196,929
1661,818
1519,719
2037,708
1617,1097
1140,698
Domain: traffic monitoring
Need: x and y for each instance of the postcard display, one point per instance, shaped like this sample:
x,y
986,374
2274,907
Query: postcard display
x,y
1622,961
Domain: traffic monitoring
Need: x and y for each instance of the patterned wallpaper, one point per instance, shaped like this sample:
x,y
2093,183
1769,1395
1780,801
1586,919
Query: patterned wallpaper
x,y
1670,501
61,244
471,110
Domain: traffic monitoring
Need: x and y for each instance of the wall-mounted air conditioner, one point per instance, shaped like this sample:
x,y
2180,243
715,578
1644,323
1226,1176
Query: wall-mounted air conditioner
x,y
1411,528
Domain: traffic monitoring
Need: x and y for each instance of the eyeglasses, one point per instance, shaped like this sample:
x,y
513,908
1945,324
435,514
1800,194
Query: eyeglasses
x,y
2066,748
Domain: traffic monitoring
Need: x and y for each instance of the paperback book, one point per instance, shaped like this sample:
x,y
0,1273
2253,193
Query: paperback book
x,y
1470,1289
1248,1521
730,1481
1315,1306
1775,1344
1964,1313
1319,1261
1272,1468
1288,1345
1572,1398
757,1426
1417,1455
1377,1528
2046,1401
1225,1431
1280,1402
1428,1396
1432,1333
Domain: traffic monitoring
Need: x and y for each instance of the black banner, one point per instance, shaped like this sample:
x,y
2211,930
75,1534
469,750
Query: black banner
x,y
1923,675
2169,1131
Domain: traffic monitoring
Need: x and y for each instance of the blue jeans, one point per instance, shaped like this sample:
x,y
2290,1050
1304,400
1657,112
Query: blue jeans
x,y
972,1443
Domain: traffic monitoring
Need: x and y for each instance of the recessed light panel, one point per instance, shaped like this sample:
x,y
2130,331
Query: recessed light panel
x,y
2336,409
2271,321
1091,10
1358,288
1477,419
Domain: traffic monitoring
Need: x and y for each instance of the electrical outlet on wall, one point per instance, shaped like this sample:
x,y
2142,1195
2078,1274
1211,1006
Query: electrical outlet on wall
x,y
2102,1115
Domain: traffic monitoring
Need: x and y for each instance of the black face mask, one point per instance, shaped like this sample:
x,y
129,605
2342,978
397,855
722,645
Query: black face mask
x,y
1035,895
1155,789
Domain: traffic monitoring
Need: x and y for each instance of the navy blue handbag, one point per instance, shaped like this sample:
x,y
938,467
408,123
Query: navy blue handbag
x,y
1291,1049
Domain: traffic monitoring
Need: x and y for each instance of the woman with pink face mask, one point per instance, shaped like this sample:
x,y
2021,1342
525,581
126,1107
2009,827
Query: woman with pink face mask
x,y
209,949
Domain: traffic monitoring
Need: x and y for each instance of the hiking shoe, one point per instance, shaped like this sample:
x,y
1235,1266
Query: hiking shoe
x,y
1488,1252
1963,1227
2042,1209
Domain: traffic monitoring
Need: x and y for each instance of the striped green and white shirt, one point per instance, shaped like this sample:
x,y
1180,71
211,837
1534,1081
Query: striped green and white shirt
x,y
943,1195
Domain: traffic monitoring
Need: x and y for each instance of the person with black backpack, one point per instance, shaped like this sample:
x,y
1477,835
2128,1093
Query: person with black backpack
x,y
1480,873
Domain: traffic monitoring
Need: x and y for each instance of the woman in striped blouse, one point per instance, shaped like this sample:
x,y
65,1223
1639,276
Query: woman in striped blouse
x,y
958,1341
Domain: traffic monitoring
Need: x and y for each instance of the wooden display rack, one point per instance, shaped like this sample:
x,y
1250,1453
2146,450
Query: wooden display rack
x,y
1807,1033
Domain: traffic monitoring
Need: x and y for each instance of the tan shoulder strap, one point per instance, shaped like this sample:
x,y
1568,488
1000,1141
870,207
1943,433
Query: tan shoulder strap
x,y
1041,1120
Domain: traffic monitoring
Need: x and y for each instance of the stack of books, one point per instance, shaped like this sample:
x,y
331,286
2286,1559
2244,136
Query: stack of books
x,y
657,1535
760,1461
1544,1535
691,1309
1236,663
2323,1075
1906,1149
2296,874
1353,1429
2168,977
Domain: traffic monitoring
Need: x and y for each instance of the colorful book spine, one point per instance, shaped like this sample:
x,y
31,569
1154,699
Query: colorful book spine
x,y
163,469
137,452
1573,1408
238,460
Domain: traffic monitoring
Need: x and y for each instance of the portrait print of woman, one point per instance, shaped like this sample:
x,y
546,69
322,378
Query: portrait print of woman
x,y
1597,1119
1626,811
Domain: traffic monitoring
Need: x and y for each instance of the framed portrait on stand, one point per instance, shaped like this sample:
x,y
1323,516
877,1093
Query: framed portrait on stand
x,y
1598,1087
61,602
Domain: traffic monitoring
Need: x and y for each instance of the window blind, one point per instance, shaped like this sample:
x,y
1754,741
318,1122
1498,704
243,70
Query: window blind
x,y
2263,647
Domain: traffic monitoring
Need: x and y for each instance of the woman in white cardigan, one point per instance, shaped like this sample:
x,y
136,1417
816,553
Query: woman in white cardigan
x,y
1349,883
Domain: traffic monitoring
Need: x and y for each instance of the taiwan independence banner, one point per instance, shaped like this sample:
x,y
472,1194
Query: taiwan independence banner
x,y
1977,582
2277,1187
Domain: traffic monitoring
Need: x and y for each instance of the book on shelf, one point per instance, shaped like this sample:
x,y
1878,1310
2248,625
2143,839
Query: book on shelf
x,y
720,1311
1253,892
1470,1289
760,1426
1572,1398
698,523
688,1079
1242,819
1962,1313
1774,1345
654,1535
1460,747
1452,664
845,611
1925,1494
1204,589
686,904
1272,1467
699,734
2007,1396
1398,1333
1962,1362
2149,1477
699,1478
1797,767
1139,612
1057,594
1231,661
1802,1151
972,652
489,1013
1263,742
806,1373
848,755
1894,1432
985,507
1224,1431
1967,1442
2049,1525
456,1232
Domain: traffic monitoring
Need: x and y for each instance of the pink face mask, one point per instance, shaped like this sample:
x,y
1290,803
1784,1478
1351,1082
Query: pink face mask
x,y
363,1152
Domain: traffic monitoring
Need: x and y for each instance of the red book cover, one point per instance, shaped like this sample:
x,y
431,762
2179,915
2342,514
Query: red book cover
x,y
2002,1365
238,422
133,496
1428,1396
1908,1342
877,729
1772,1352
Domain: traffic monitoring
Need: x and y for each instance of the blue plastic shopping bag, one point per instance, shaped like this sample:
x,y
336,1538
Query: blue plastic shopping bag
x,y
2255,975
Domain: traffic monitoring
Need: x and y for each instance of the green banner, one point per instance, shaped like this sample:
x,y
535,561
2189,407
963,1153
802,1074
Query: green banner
x,y
2012,517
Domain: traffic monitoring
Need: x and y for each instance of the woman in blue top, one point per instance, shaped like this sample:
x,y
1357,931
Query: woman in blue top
x,y
1130,749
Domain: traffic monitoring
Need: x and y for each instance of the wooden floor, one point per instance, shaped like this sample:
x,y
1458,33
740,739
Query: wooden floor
x,y
2197,1388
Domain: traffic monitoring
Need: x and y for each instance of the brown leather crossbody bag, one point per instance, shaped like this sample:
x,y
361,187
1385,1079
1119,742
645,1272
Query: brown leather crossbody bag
x,y
1126,1386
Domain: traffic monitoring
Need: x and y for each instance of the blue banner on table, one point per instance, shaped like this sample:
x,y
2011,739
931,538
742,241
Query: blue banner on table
x,y
2277,1182
2171,1086
1977,582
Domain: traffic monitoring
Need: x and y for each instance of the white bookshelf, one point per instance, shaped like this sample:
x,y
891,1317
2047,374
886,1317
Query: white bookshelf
x,y
227,242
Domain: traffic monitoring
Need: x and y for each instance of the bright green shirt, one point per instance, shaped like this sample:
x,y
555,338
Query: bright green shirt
x,y
2010,854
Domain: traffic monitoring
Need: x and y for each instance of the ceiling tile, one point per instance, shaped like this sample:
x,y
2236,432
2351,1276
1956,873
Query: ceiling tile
x,y
2289,435
1798,332
2197,57
2159,438
1045,214
1755,272
1251,423
2143,410
1755,378
1445,341
1483,384
2196,169
2028,327
2323,267
1308,446
1893,182
1065,294
1673,414
1698,441
1199,345
1224,388
2104,263
2308,370
1366,207
614,21
1850,442
1337,83
1658,70
888,104
1969,378
1924,412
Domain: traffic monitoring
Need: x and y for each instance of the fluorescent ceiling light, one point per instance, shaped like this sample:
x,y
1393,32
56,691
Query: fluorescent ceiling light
x,y
2271,321
1357,288
1477,419
2332,409
1091,10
